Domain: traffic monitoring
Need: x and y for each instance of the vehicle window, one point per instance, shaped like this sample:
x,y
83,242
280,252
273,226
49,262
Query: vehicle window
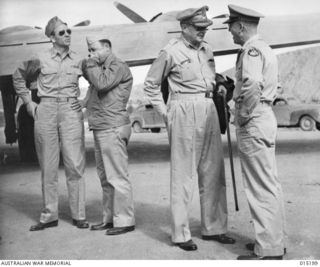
x,y
280,103
149,107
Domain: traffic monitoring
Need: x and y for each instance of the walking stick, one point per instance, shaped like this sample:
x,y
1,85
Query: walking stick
x,y
230,151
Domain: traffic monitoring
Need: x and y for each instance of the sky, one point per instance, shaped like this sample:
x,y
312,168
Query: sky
x,y
38,12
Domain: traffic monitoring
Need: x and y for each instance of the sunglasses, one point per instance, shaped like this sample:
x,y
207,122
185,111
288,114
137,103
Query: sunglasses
x,y
200,29
61,33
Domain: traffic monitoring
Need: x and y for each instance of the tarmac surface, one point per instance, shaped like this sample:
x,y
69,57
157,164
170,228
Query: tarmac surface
x,y
298,158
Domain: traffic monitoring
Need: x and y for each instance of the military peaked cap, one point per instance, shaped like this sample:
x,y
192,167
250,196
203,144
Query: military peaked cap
x,y
195,16
238,13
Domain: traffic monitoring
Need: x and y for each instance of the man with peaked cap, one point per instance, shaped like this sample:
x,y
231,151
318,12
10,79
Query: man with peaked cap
x,y
193,128
57,127
256,128
110,87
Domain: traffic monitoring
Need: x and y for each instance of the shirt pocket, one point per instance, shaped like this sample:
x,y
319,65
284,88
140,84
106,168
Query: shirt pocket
x,y
208,71
187,71
72,76
48,75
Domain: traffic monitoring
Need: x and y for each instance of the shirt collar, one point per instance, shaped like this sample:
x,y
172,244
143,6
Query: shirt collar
x,y
55,52
253,38
188,44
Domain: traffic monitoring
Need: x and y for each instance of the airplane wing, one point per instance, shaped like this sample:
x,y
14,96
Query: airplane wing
x,y
139,43
17,28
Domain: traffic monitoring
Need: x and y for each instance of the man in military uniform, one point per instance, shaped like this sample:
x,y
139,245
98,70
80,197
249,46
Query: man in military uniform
x,y
106,100
256,128
57,71
193,126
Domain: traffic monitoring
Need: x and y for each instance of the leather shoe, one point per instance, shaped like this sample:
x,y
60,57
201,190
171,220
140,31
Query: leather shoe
x,y
42,226
101,226
256,257
223,239
119,230
82,224
250,246
188,245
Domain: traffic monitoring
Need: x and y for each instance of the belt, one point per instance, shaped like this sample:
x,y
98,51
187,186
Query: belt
x,y
209,94
57,99
177,96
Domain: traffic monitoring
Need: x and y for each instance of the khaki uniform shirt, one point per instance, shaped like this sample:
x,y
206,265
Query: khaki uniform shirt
x,y
111,85
56,76
256,75
189,71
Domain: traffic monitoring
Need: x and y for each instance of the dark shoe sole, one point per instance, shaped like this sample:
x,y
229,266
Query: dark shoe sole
x,y
42,226
101,227
113,231
193,248
250,246
218,238
187,246
80,224
255,257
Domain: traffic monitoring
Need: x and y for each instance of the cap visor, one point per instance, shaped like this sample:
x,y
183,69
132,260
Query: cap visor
x,y
202,23
228,21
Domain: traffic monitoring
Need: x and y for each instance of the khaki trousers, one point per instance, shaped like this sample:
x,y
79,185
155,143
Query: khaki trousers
x,y
196,156
256,143
58,127
112,167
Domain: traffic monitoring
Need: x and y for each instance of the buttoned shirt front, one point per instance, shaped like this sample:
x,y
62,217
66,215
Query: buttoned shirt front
x,y
256,71
56,75
189,70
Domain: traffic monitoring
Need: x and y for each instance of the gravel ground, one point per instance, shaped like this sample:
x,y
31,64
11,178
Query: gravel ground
x,y
298,157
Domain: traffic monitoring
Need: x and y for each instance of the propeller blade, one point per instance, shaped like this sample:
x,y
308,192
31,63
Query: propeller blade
x,y
130,14
167,16
155,17
82,23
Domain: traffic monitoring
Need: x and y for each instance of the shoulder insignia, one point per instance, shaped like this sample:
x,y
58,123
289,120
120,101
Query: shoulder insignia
x,y
253,52
206,46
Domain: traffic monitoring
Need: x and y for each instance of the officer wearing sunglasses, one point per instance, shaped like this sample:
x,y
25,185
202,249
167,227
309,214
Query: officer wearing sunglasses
x,y
57,126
